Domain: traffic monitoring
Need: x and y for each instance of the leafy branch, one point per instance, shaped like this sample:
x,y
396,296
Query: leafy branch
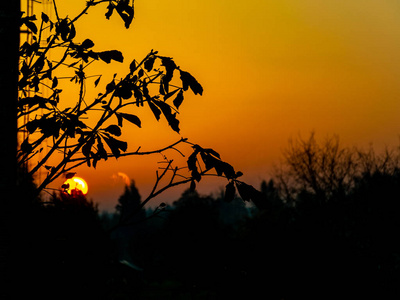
x,y
156,82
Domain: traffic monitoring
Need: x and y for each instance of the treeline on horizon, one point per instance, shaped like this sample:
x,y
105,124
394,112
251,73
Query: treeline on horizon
x,y
328,226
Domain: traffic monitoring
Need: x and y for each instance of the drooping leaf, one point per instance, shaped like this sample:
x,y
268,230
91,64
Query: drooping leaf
x,y
189,81
238,174
140,73
248,192
225,168
170,67
97,81
32,26
72,32
192,186
161,89
107,56
113,129
132,118
119,118
110,10
126,12
116,145
179,99
148,64
171,117
87,147
155,110
26,147
110,87
132,66
45,18
192,165
101,152
230,191
31,126
55,82
192,160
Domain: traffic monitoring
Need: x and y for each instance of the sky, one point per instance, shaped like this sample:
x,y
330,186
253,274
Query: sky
x,y
271,71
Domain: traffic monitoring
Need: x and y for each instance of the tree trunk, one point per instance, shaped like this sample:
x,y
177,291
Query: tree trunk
x,y
9,38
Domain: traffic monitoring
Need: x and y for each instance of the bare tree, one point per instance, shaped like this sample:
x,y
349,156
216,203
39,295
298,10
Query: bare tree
x,y
326,168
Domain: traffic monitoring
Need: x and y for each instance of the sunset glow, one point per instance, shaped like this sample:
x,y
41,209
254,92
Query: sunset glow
x,y
271,70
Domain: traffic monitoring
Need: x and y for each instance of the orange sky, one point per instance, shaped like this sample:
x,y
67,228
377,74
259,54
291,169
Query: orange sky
x,y
270,70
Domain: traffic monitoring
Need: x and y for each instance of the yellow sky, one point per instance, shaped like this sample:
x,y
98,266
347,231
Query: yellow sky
x,y
270,70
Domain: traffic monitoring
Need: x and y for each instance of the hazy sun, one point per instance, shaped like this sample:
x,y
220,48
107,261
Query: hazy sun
x,y
76,183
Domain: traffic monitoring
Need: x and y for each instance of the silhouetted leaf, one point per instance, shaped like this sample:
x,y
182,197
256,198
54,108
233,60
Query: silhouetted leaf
x,y
70,175
179,99
45,18
26,147
116,145
230,192
66,31
101,152
192,161
55,82
155,110
107,56
31,126
161,89
110,10
171,117
72,32
132,118
189,81
110,87
124,90
39,64
87,147
113,129
170,67
140,73
97,81
248,192
119,118
86,44
31,26
132,66
238,174
192,186
126,12
148,64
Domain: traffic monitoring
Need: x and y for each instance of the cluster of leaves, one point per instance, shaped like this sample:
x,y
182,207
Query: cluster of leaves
x,y
212,160
156,82
66,127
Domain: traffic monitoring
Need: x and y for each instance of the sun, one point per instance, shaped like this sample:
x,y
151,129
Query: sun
x,y
75,183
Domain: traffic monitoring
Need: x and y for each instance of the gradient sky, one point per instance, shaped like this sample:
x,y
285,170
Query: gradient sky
x,y
270,70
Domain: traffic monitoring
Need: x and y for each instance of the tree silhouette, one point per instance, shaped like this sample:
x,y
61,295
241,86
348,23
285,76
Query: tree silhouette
x,y
87,131
155,82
